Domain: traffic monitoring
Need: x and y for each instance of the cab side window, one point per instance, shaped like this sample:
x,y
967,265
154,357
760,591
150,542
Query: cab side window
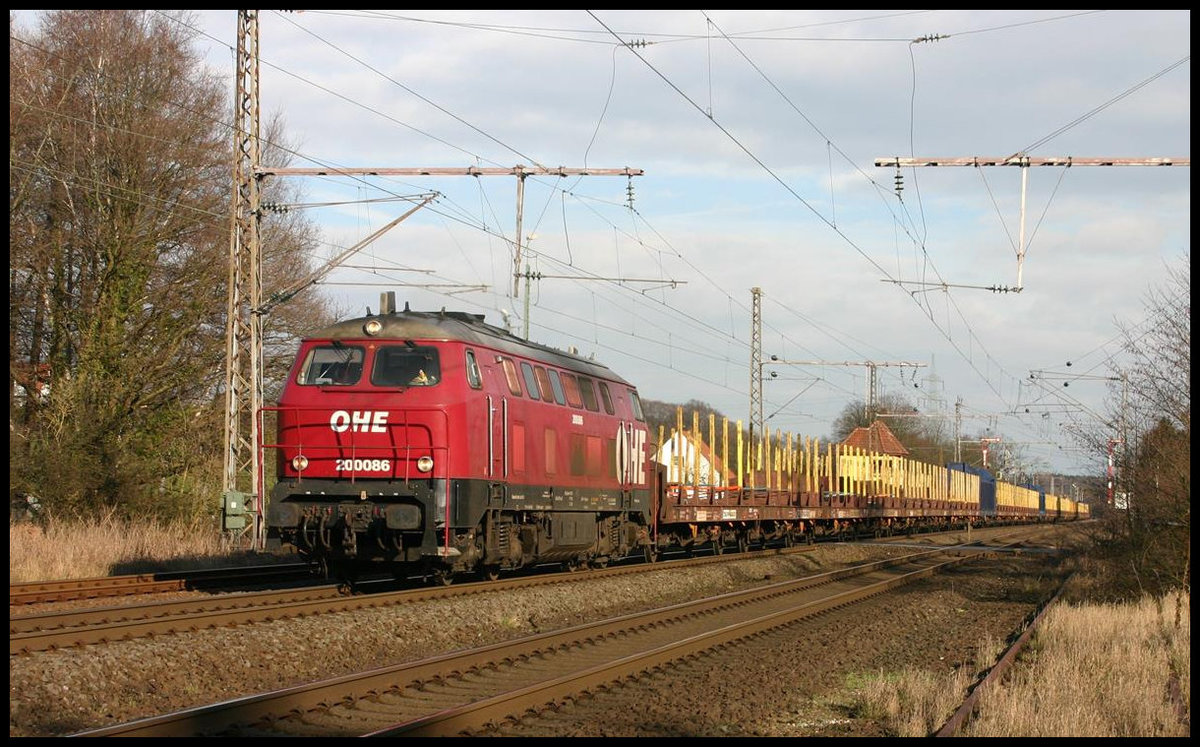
x,y
474,379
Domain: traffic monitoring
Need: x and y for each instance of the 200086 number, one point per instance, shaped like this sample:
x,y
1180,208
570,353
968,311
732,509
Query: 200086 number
x,y
364,465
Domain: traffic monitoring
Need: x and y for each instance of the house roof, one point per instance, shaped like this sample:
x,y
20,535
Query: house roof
x,y
877,438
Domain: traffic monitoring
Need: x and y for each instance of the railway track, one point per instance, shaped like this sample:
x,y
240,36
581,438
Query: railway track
x,y
81,627
72,628
34,592
72,590
998,670
472,691
215,579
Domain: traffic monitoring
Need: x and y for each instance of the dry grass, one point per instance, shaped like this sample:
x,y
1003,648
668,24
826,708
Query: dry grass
x,y
916,702
1092,670
1099,671
71,550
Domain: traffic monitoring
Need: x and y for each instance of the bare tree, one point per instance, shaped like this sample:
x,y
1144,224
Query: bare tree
x,y
926,439
1147,537
120,154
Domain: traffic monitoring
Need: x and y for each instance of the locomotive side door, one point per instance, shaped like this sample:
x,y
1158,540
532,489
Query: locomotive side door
x,y
498,438
497,428
497,450
483,376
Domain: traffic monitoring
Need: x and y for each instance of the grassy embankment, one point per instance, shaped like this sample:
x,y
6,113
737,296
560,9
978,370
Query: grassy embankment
x,y
70,550
1091,670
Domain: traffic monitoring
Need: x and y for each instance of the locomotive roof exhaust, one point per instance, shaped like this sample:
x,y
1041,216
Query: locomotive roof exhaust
x,y
387,303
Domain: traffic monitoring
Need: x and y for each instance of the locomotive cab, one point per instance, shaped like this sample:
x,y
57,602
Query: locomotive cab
x,y
350,469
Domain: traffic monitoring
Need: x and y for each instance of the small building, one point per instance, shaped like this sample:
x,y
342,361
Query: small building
x,y
876,438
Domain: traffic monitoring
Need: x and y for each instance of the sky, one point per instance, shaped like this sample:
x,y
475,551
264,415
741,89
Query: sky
x,y
757,134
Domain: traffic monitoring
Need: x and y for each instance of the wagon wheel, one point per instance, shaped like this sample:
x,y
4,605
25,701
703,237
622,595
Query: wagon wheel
x,y
743,543
649,553
572,565
788,539
718,548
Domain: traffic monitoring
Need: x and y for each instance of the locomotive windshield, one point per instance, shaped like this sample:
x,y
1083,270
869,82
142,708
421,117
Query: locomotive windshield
x,y
405,365
332,365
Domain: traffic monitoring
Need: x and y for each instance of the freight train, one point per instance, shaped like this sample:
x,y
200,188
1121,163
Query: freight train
x,y
435,444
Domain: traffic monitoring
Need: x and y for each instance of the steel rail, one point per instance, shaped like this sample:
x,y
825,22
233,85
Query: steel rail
x,y
998,670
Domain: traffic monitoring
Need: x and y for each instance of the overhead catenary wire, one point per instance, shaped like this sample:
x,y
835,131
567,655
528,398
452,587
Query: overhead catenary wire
x,y
804,202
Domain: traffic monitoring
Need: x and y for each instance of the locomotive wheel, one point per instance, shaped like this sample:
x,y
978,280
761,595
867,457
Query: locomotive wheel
x,y
572,565
649,553
443,577
491,572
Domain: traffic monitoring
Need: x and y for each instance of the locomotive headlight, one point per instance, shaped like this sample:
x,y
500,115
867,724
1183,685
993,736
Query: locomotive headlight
x,y
299,462
373,327
425,464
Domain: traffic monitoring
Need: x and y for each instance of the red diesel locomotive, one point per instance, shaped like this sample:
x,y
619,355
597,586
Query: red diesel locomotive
x,y
439,444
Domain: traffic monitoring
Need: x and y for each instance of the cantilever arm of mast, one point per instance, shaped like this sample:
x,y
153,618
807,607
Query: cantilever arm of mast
x,y
947,286
1020,160
446,171
288,293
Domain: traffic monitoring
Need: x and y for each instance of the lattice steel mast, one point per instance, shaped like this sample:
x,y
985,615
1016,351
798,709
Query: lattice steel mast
x,y
243,331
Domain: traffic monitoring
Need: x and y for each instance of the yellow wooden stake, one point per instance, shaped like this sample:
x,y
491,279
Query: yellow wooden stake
x,y
741,458
724,452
